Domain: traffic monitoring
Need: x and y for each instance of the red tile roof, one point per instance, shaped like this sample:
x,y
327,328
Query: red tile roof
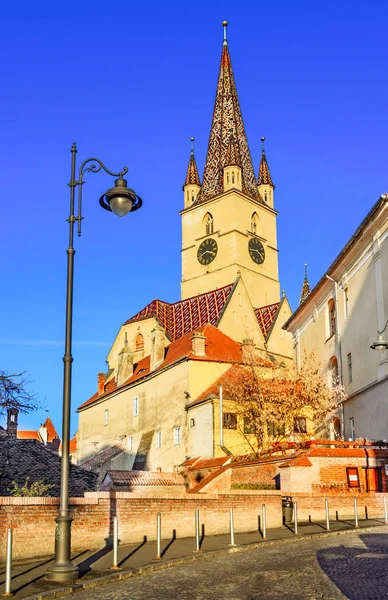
x,y
28,434
145,478
219,348
209,463
184,316
265,316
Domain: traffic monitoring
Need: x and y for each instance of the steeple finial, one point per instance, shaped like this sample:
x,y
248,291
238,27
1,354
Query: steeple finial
x,y
264,177
192,177
224,25
306,286
226,118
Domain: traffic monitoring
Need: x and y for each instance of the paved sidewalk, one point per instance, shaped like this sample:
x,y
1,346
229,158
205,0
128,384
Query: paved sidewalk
x,y
28,578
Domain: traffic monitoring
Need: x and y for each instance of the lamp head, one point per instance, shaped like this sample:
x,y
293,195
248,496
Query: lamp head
x,y
380,344
120,199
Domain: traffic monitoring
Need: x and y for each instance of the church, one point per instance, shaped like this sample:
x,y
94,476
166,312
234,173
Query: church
x,y
157,405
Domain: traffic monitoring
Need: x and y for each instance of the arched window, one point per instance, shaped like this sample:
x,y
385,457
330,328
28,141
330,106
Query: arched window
x,y
265,196
232,176
139,342
333,371
227,178
209,225
192,197
331,312
187,195
238,176
254,223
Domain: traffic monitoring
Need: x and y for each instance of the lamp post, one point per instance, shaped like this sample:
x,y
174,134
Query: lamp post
x,y
381,345
121,200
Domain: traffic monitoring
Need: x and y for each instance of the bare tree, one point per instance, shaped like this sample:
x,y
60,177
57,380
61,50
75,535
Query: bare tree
x,y
275,403
14,393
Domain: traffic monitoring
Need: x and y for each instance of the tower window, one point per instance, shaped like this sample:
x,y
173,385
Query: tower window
x,y
209,224
187,195
265,197
232,176
192,197
139,342
238,176
254,223
227,178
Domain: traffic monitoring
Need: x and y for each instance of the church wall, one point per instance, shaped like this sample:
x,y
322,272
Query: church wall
x,y
280,343
200,433
162,403
145,326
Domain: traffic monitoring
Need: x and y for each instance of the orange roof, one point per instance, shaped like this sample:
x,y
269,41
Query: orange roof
x,y
298,462
219,348
208,463
73,445
51,431
28,434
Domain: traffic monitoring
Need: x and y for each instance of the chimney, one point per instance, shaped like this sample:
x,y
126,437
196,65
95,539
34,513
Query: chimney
x,y
158,342
12,421
198,343
43,434
101,383
248,350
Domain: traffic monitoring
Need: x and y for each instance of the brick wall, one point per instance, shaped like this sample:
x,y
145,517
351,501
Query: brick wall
x,y
313,506
32,519
256,474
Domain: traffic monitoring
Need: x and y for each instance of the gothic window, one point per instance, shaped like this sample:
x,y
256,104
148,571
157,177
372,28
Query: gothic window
x,y
187,195
209,225
232,176
192,197
238,176
254,223
333,371
227,178
139,342
265,197
332,324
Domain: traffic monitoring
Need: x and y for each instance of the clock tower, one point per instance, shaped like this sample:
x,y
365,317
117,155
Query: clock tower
x,y
229,221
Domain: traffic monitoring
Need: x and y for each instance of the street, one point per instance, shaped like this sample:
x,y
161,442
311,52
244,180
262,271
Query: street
x,y
353,566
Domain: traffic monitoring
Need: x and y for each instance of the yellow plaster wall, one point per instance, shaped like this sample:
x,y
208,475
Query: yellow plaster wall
x,y
280,341
145,326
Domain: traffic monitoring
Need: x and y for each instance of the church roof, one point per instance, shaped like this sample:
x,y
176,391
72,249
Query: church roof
x,y
305,287
265,316
233,156
184,316
192,176
227,120
264,176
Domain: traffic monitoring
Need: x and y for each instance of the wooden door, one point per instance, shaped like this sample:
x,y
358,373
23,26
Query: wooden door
x,y
373,476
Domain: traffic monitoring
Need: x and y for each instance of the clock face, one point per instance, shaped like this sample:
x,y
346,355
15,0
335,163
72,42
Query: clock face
x,y
207,251
256,251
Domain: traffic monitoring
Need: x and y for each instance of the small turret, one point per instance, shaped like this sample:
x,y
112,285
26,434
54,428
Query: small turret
x,y
125,363
305,287
192,183
232,169
264,181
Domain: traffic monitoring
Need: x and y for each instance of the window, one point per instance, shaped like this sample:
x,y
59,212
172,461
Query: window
x,y
130,442
332,326
352,475
300,425
192,197
346,301
230,420
249,426
135,406
254,223
177,436
106,417
352,430
333,371
232,176
350,368
12,418
158,439
275,429
209,224
187,195
192,422
139,342
265,197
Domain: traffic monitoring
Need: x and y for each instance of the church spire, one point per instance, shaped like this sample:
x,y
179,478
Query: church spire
x,y
227,120
264,177
192,177
305,287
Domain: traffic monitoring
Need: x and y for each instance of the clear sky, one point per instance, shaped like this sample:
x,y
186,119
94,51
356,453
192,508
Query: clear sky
x,y
130,82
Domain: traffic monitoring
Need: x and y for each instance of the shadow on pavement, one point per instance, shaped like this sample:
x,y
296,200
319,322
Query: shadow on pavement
x,y
359,573
123,560
170,543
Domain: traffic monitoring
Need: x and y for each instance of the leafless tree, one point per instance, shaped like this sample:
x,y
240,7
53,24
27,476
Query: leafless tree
x,y
14,393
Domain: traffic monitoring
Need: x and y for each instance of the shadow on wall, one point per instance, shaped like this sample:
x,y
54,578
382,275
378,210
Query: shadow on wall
x,y
358,572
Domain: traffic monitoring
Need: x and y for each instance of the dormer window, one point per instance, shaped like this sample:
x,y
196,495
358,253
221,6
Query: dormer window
x,y
209,225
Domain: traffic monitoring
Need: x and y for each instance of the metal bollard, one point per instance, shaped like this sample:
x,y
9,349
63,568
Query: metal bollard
x,y
158,535
355,513
327,515
115,566
264,520
197,542
8,564
231,526
295,518
385,511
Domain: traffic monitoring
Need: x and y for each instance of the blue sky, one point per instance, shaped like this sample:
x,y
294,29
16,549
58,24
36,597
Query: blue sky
x,y
130,83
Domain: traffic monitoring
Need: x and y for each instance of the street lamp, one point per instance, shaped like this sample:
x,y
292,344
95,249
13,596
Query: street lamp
x,y
381,345
121,200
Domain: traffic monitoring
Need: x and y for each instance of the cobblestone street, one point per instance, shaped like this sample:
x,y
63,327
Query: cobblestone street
x,y
353,566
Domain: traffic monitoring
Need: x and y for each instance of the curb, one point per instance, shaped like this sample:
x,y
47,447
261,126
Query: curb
x,y
151,568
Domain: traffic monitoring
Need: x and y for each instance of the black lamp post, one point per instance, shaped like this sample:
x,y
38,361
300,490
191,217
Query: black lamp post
x,y
381,345
121,200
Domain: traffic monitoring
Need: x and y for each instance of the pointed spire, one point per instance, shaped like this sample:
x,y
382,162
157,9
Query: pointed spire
x,y
192,177
264,177
233,155
227,118
306,287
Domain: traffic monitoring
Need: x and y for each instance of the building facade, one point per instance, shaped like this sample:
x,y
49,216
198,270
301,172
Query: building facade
x,y
340,319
